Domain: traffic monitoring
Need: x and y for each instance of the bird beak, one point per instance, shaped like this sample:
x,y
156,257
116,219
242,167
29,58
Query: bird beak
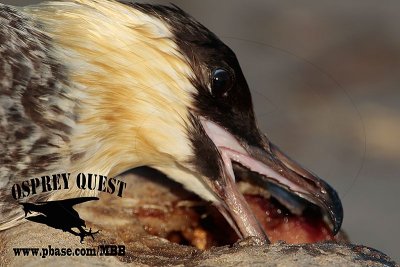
x,y
303,183
276,172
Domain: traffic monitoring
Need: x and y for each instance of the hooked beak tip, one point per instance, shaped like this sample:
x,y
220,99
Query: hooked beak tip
x,y
335,210
307,185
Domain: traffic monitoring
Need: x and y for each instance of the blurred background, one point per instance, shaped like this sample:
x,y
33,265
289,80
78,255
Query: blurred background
x,y
325,79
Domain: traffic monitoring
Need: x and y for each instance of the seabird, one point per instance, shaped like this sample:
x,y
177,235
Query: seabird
x,y
104,86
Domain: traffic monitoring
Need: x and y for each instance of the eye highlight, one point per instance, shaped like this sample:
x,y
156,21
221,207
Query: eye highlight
x,y
221,82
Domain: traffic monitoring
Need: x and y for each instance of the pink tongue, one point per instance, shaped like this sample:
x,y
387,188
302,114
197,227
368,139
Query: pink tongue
x,y
231,149
256,166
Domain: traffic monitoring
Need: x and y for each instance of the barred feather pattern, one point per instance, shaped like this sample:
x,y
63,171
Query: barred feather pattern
x,y
34,129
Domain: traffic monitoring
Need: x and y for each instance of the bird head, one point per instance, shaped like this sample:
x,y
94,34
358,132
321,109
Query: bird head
x,y
159,89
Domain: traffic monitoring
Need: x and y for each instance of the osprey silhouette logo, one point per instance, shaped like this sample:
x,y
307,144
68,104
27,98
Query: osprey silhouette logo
x,y
59,214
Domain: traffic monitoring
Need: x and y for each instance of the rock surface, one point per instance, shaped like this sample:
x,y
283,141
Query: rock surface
x,y
119,224
154,251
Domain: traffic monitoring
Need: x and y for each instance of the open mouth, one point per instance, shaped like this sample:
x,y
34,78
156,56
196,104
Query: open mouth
x,y
306,200
283,215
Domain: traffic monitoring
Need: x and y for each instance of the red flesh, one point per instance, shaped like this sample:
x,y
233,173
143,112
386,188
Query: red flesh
x,y
279,224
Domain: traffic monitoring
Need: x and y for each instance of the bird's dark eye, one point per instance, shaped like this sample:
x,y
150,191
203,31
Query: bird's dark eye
x,y
222,82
